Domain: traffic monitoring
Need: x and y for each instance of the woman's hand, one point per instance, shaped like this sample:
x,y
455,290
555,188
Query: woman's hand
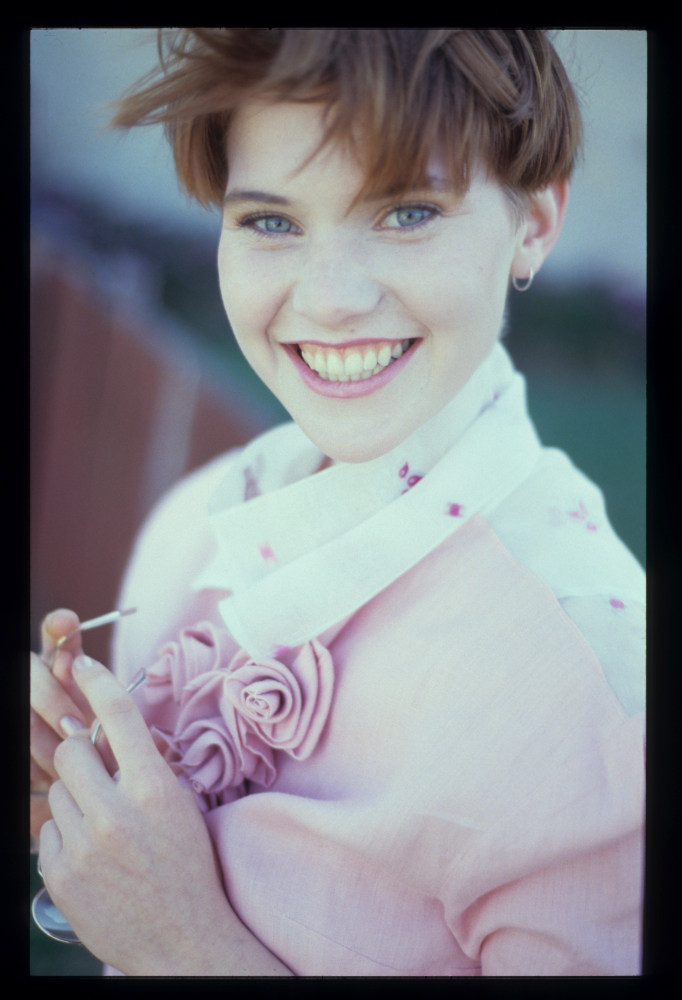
x,y
127,857
57,706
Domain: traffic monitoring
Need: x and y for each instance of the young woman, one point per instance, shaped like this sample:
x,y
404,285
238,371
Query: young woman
x,y
392,721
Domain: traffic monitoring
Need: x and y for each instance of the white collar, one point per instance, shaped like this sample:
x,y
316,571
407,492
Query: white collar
x,y
306,550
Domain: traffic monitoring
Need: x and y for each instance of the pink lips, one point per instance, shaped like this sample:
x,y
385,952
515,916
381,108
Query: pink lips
x,y
348,390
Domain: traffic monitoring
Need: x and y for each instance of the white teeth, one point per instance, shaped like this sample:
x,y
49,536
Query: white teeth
x,y
353,365
384,355
315,361
348,364
370,361
334,364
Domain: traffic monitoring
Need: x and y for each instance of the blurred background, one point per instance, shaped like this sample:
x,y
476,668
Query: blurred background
x,y
136,378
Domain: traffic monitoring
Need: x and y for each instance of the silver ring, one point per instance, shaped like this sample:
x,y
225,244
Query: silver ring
x,y
129,690
527,282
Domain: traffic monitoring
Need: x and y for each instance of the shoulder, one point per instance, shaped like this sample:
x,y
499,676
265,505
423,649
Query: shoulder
x,y
177,528
615,630
557,523
173,544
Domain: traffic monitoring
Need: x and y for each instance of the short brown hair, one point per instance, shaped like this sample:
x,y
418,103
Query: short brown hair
x,y
501,97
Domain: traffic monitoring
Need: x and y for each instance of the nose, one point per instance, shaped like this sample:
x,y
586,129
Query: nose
x,y
333,289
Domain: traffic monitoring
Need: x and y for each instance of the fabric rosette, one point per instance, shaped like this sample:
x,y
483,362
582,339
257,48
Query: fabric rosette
x,y
209,746
233,711
198,650
286,707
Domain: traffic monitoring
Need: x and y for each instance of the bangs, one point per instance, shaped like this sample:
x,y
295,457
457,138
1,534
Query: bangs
x,y
397,97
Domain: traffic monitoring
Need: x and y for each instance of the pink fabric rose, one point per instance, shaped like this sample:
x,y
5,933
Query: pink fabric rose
x,y
211,761
198,649
287,706
209,725
234,711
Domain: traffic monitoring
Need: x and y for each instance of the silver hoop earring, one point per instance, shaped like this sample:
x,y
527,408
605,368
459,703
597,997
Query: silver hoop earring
x,y
526,285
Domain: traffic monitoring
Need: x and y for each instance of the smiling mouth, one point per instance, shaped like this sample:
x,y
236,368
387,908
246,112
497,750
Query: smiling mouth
x,y
352,364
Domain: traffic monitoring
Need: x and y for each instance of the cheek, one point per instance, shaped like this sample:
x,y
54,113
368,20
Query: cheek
x,y
245,301
461,304
468,276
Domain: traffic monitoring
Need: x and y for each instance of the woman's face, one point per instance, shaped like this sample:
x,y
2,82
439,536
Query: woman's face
x,y
364,321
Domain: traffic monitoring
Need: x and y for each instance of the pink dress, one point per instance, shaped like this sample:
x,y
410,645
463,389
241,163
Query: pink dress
x,y
445,780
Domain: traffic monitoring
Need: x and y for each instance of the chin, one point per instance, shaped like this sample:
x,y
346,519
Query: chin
x,y
350,452
357,448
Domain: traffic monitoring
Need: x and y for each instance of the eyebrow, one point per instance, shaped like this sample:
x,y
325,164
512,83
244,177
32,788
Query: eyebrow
x,y
260,196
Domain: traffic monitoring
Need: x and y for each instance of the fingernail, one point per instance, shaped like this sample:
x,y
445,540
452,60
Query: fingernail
x,y
53,618
69,725
81,662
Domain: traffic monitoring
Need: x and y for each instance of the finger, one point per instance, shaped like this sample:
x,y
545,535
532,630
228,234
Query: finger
x,y
66,812
50,700
40,779
125,728
44,742
50,845
40,813
54,628
60,668
103,748
82,774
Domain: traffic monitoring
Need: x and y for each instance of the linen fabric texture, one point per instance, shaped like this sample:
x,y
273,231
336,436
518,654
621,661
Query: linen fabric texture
x,y
408,695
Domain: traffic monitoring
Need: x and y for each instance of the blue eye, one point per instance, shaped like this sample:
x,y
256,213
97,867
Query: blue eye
x,y
408,217
269,224
274,224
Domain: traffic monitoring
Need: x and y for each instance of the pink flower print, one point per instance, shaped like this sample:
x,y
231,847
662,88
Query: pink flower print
x,y
556,517
581,515
411,480
267,555
455,510
490,403
251,488
616,602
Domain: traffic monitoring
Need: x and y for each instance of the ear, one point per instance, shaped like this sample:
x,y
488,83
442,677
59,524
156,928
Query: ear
x,y
540,228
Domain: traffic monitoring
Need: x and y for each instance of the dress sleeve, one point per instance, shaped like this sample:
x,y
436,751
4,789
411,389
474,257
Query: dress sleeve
x,y
173,545
549,879
559,885
577,917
